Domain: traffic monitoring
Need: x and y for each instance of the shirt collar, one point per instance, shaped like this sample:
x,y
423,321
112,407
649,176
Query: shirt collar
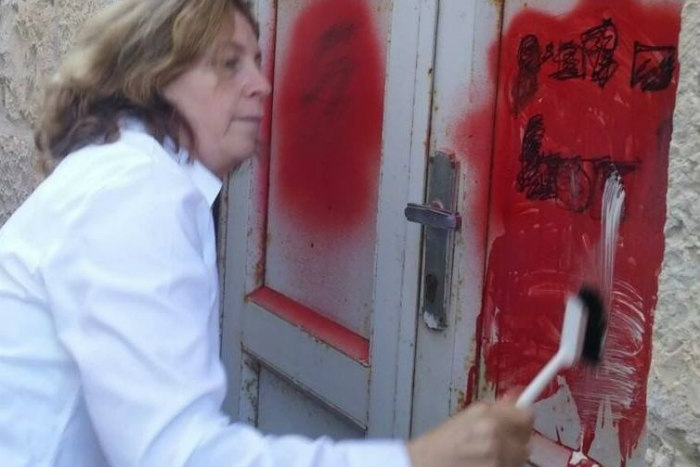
x,y
208,183
205,180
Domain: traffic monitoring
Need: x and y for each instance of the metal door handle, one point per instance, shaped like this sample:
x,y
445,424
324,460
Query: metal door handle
x,y
440,221
432,216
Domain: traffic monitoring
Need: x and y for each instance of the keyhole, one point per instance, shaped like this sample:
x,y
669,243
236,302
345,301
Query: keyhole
x,y
431,286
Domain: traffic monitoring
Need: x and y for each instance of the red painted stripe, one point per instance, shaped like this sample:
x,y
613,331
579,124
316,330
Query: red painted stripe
x,y
346,341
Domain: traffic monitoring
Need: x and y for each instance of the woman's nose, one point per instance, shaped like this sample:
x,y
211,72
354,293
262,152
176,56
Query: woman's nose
x,y
260,85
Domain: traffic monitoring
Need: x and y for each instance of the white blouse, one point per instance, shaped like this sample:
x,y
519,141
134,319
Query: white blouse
x,y
109,337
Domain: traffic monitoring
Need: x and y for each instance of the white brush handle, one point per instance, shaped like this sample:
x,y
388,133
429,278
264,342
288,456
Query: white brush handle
x,y
545,376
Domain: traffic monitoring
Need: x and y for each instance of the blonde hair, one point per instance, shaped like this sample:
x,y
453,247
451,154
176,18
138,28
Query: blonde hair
x,y
120,66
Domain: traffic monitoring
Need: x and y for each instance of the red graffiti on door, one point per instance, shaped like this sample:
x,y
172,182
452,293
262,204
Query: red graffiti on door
x,y
330,116
580,95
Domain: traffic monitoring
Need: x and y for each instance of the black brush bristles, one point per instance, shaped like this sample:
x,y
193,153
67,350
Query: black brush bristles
x,y
596,324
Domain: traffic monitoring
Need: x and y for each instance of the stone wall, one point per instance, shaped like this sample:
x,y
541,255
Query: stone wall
x,y
674,382
33,35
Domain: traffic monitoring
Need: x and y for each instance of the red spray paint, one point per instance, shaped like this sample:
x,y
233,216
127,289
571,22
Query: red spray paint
x,y
330,116
321,328
559,125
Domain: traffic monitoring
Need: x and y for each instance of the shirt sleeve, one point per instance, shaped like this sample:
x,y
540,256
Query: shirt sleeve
x,y
133,295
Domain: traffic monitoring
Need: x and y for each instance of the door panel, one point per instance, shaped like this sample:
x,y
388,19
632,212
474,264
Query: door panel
x,y
284,409
300,356
585,88
307,311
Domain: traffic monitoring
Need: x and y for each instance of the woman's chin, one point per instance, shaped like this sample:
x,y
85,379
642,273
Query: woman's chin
x,y
240,158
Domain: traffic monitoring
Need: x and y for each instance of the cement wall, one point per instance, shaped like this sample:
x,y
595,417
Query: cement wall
x,y
35,33
674,381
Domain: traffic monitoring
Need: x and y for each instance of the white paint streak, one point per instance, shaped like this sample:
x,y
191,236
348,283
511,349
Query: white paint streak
x,y
621,348
611,207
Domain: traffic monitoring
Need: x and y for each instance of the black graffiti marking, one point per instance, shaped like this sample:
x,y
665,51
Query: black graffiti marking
x,y
599,45
593,57
548,53
335,35
333,66
653,66
573,182
542,175
570,61
529,64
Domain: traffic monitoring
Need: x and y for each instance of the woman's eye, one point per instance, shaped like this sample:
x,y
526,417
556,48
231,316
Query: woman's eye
x,y
231,64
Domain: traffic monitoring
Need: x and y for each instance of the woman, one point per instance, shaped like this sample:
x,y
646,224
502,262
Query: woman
x,y
108,285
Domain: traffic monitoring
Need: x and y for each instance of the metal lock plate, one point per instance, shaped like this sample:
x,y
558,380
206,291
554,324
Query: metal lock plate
x,y
440,221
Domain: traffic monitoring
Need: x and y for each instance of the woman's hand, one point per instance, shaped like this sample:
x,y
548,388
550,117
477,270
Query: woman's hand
x,y
483,435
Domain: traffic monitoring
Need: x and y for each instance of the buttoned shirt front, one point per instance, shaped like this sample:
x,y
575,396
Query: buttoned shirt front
x,y
109,342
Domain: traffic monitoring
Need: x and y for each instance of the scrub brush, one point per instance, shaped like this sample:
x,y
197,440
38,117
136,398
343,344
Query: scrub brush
x,y
581,338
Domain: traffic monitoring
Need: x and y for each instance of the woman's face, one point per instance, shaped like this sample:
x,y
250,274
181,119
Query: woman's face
x,y
222,98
